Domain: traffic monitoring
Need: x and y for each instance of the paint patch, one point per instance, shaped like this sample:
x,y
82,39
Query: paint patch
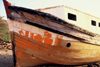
x,y
46,38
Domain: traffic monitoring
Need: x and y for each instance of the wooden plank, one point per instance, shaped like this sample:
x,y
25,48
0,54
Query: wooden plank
x,y
45,16
65,55
71,32
76,47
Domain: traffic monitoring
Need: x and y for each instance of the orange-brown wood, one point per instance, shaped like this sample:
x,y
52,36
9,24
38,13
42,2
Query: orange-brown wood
x,y
52,54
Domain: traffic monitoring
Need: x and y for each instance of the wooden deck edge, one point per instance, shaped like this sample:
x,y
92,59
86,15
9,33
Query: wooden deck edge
x,y
51,17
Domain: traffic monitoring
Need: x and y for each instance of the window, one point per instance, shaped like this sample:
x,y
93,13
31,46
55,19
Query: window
x,y
71,16
93,23
99,24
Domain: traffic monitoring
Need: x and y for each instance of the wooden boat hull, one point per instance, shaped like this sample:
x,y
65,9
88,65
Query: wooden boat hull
x,y
40,38
36,46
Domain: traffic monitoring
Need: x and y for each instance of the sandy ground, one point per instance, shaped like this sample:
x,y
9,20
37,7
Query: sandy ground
x,y
6,58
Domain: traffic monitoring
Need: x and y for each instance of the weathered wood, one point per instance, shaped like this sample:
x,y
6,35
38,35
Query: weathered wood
x,y
26,43
65,28
81,54
50,39
20,11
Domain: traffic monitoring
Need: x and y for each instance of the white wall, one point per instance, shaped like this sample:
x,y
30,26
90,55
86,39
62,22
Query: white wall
x,y
83,19
58,12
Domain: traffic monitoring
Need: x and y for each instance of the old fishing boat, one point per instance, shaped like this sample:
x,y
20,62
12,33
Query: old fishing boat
x,y
56,35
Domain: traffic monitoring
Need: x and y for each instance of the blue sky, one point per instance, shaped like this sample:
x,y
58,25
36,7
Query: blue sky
x,y
88,6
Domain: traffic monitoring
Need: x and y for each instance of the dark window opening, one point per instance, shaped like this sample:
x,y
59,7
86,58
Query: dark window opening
x,y
99,24
93,23
71,16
